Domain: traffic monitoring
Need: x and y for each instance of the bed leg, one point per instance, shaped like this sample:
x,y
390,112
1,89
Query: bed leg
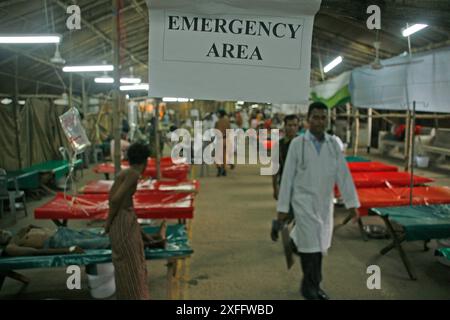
x,y
397,242
171,278
13,275
425,245
361,230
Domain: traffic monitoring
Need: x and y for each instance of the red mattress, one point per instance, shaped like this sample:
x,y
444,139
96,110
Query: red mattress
x,y
103,186
169,170
394,197
386,179
155,205
267,144
372,166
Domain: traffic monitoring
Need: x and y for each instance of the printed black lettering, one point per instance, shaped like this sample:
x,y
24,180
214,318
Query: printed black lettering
x,y
214,51
275,28
189,24
172,23
239,30
293,32
228,49
250,27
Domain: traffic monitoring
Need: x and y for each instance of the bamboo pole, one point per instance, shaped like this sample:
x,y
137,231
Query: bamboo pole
x,y
369,129
16,110
411,155
349,128
158,156
407,138
355,150
116,93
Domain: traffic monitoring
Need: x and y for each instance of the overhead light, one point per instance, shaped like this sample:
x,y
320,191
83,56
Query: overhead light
x,y
183,100
106,67
191,100
6,101
130,80
104,80
240,102
142,86
332,64
22,102
24,39
413,29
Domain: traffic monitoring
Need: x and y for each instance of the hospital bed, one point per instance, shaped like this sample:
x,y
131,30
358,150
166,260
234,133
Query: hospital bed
x,y
155,205
29,178
103,186
356,159
372,166
173,171
387,179
416,223
394,197
176,253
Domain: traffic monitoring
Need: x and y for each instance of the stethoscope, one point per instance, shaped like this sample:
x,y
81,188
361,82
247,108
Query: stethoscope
x,y
303,165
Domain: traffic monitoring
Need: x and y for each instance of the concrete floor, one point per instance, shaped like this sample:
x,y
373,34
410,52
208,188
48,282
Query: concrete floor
x,y
234,257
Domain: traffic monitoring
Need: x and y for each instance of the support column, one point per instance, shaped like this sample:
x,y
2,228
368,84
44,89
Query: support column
x,y
116,92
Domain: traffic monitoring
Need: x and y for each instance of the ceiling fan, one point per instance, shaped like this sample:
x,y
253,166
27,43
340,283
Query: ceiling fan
x,y
57,59
377,65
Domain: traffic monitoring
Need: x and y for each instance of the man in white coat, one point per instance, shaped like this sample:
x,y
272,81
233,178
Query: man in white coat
x,y
313,166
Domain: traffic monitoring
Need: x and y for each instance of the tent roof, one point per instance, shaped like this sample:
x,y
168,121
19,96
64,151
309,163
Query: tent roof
x,y
339,29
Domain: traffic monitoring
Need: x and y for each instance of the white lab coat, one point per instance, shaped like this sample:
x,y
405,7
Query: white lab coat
x,y
308,186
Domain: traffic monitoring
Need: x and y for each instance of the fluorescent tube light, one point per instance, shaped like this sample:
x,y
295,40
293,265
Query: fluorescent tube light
x,y
413,29
105,67
142,86
332,64
28,39
104,80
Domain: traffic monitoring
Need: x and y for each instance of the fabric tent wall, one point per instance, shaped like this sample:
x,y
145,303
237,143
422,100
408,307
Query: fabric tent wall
x,y
39,134
394,87
333,92
290,108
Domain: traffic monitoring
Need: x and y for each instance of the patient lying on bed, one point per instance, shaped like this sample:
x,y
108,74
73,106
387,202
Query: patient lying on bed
x,y
33,241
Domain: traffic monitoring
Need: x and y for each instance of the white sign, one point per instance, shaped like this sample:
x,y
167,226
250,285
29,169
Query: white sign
x,y
258,51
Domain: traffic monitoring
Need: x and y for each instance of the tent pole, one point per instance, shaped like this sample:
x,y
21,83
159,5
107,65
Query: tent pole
x,y
348,133
407,137
355,150
17,109
369,129
411,157
116,93
158,155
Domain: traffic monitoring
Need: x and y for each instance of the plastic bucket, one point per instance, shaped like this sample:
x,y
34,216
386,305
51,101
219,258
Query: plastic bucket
x,y
422,162
102,284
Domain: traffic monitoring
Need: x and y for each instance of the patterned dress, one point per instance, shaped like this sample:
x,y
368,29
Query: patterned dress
x,y
127,244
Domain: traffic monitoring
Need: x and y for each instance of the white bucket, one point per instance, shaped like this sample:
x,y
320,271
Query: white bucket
x,y
102,285
422,162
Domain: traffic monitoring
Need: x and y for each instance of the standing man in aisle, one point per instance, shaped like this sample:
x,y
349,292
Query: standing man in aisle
x,y
313,166
291,125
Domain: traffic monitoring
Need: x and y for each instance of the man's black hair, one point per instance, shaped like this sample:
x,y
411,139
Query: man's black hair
x,y
138,153
290,117
222,113
316,105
